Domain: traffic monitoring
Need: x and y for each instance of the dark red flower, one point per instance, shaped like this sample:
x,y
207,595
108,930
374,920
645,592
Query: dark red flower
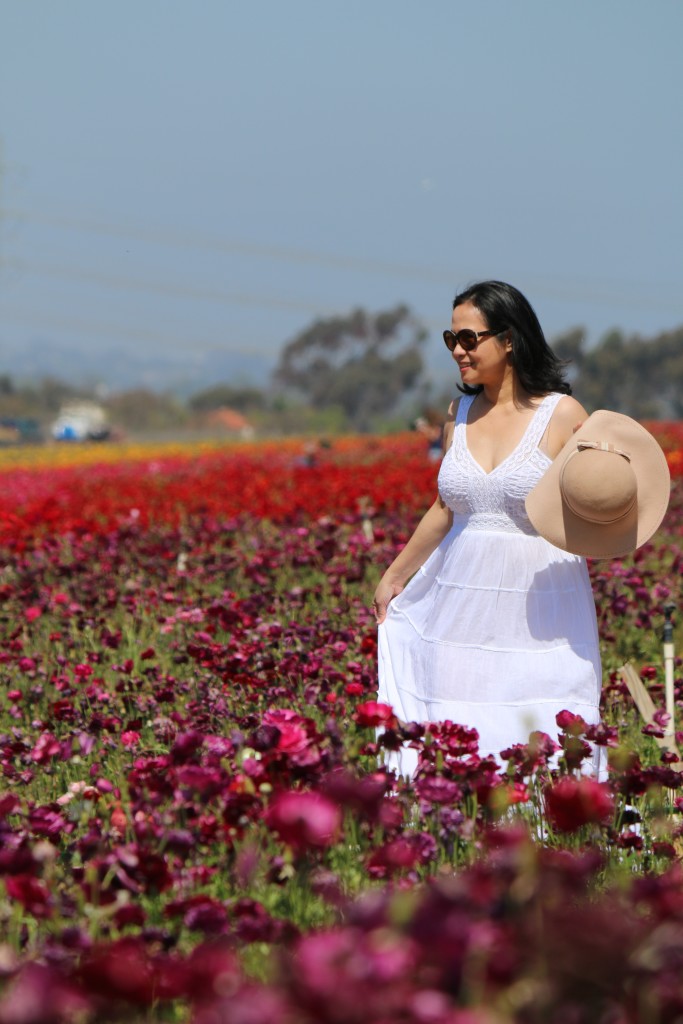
x,y
31,893
571,803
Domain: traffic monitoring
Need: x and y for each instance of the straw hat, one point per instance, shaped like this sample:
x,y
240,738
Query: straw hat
x,y
606,492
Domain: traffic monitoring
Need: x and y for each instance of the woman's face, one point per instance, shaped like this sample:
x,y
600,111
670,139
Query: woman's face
x,y
489,361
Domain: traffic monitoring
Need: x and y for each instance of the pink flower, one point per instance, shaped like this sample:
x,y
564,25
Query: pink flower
x,y
130,738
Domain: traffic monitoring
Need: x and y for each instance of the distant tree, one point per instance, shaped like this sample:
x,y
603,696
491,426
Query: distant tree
x,y
53,393
225,395
637,376
365,363
569,348
140,410
605,378
660,365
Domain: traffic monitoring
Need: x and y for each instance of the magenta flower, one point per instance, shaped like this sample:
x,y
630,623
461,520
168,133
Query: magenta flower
x,y
39,993
304,820
568,722
47,746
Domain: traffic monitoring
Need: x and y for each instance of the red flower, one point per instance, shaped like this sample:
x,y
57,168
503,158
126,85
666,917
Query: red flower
x,y
571,803
372,714
354,689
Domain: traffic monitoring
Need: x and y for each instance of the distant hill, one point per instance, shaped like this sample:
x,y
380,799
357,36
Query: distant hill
x,y
119,369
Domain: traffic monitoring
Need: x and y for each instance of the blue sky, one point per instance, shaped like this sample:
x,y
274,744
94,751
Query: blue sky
x,y
181,179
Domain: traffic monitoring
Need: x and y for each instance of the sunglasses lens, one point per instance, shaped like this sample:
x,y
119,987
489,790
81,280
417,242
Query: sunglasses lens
x,y
467,339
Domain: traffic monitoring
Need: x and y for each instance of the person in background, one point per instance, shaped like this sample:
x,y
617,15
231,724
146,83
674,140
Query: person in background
x,y
431,426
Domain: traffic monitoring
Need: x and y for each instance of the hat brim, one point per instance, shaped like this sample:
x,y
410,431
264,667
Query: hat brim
x,y
552,518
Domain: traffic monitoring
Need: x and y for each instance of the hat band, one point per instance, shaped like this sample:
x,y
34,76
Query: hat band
x,y
600,446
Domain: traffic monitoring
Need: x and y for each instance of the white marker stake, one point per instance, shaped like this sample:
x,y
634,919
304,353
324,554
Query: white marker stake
x,y
668,638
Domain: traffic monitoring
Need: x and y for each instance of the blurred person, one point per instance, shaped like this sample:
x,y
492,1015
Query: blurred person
x,y
431,425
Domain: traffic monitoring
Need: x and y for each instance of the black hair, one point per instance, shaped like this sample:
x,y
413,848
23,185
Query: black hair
x,y
504,308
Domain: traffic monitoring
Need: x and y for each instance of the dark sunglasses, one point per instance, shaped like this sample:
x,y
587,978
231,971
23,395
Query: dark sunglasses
x,y
467,339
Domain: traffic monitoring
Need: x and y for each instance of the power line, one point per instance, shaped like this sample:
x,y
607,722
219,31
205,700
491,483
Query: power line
x,y
119,332
162,288
623,293
196,240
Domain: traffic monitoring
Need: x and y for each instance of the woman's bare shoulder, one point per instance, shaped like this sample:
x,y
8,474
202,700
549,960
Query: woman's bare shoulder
x,y
452,410
566,419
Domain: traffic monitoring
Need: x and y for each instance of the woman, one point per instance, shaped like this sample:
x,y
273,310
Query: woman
x,y
497,627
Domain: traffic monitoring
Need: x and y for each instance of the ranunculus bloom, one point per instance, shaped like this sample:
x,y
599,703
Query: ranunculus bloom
x,y
47,746
130,738
373,714
41,993
30,892
571,803
304,820
575,725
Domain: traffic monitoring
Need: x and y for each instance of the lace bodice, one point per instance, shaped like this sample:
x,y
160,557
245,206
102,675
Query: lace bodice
x,y
495,500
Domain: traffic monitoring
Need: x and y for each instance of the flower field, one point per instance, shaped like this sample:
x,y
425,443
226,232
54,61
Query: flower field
x,y
195,824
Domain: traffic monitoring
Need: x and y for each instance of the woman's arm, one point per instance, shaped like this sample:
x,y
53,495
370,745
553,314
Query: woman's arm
x,y
430,531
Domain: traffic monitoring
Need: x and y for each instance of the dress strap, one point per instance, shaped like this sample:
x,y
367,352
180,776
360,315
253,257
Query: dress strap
x,y
542,417
463,409
458,444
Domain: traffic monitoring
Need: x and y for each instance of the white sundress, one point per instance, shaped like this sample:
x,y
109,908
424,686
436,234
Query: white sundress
x,y
497,630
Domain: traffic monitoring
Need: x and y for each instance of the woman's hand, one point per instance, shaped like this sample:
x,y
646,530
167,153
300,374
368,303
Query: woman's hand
x,y
387,590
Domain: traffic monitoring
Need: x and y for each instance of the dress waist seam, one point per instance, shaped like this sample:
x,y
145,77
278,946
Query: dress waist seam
x,y
494,589
489,647
534,702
